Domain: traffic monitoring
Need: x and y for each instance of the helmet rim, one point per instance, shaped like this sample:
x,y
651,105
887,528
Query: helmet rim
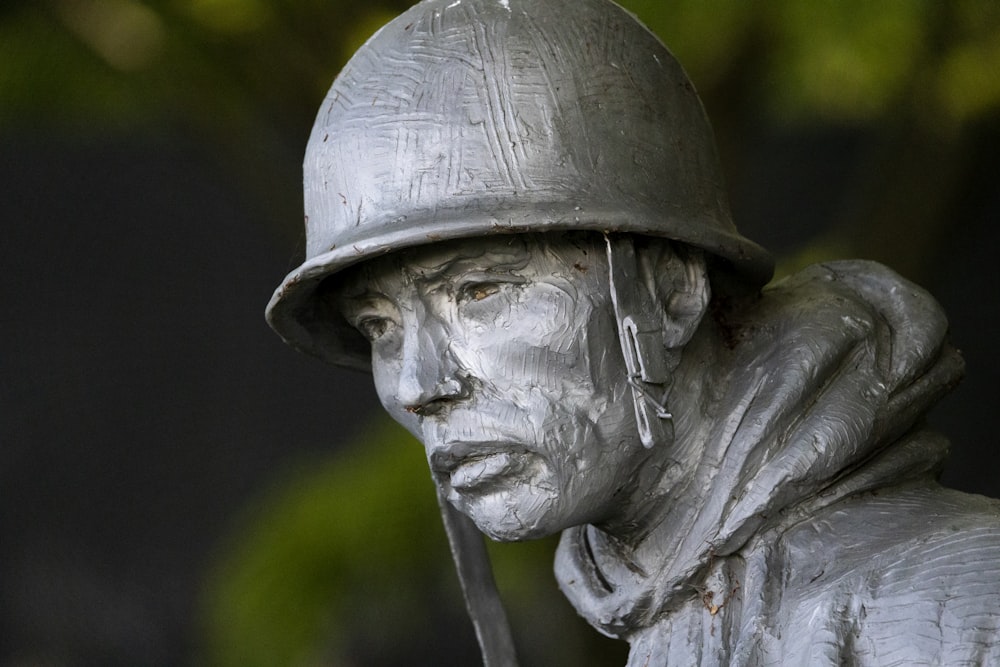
x,y
297,313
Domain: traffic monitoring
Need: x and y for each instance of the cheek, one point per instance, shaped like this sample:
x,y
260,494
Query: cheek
x,y
604,353
539,339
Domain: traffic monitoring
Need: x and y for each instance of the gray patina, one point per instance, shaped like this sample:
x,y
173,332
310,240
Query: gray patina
x,y
515,219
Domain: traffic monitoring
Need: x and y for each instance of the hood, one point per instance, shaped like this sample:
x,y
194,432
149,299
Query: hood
x,y
827,372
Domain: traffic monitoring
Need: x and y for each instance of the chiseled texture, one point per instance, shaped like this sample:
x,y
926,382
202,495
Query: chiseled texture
x,y
812,531
494,110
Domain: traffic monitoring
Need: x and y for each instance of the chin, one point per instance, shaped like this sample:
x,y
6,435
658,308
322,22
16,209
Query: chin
x,y
511,531
503,519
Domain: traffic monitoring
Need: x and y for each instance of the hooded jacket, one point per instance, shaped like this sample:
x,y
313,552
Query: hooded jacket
x,y
812,530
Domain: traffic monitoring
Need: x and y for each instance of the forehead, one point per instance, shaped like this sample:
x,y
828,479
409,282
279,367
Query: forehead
x,y
439,259
497,254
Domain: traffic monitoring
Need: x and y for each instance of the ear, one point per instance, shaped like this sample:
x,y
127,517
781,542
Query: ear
x,y
677,276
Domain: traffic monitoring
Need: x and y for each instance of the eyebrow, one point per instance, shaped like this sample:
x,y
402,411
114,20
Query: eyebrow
x,y
497,262
357,286
353,285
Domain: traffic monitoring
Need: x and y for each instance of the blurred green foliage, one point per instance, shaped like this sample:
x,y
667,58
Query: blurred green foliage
x,y
344,562
113,62
331,540
245,77
338,550
848,61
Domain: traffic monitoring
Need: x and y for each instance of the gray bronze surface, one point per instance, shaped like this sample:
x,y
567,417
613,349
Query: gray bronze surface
x,y
515,219
473,118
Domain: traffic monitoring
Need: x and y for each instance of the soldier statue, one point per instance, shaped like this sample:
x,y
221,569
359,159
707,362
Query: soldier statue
x,y
516,221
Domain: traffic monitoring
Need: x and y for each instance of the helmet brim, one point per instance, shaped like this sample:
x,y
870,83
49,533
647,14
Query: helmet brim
x,y
304,316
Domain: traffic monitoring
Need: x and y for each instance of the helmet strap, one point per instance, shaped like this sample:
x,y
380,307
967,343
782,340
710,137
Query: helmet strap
x,y
640,333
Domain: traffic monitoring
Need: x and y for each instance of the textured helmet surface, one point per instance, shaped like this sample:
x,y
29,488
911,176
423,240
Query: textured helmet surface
x,y
465,118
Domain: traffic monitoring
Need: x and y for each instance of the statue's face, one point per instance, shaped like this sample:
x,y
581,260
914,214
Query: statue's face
x,y
501,355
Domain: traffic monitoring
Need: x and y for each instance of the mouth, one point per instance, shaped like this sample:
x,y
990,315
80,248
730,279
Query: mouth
x,y
469,467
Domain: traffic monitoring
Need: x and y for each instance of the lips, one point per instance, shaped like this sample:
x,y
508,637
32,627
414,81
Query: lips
x,y
482,470
472,466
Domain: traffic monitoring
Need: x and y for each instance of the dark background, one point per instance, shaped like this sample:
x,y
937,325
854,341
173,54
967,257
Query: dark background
x,y
149,195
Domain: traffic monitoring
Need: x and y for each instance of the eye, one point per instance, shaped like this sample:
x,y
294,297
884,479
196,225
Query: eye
x,y
478,291
373,328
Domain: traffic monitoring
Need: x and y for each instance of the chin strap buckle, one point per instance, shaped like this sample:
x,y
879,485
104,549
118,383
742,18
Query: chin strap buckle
x,y
641,339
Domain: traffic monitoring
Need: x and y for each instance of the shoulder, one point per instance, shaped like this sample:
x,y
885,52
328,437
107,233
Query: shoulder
x,y
905,576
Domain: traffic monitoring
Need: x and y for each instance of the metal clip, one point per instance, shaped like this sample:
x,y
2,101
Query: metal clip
x,y
641,339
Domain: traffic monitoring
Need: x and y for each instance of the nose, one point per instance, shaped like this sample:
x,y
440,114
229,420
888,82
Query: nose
x,y
429,378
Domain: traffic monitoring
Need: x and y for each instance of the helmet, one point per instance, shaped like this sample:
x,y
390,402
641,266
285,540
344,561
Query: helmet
x,y
464,118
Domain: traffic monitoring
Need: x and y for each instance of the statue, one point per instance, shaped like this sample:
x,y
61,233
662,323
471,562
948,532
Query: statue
x,y
515,220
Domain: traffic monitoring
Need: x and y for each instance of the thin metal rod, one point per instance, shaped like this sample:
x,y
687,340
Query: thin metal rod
x,y
482,600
